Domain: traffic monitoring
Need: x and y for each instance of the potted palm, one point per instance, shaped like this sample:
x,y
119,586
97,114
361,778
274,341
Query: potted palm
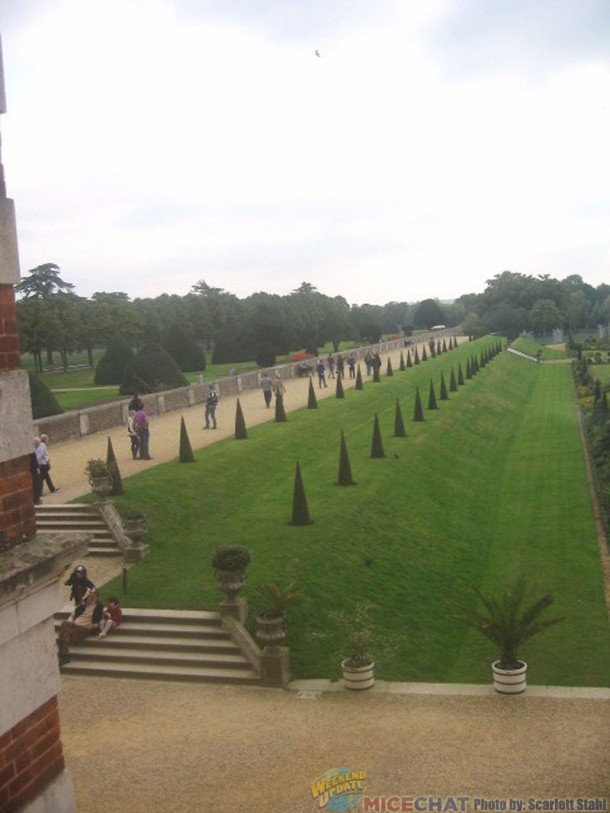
x,y
360,638
272,622
508,621
230,563
99,475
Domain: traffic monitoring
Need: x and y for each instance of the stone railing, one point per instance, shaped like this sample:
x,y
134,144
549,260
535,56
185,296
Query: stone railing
x,y
82,422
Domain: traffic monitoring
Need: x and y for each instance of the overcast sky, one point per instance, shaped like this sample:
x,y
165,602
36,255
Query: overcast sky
x,y
149,144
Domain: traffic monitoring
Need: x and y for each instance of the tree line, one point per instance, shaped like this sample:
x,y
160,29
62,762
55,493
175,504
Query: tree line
x,y
54,319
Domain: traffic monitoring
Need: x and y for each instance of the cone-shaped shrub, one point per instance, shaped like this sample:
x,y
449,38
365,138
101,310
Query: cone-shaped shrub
x,y
339,392
432,397
117,482
424,355
241,433
312,401
460,375
186,450
300,511
452,382
280,412
401,365
409,359
359,385
345,470
418,412
44,402
112,365
377,442
388,369
399,424
444,395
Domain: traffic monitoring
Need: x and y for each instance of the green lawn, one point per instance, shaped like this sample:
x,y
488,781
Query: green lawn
x,y
492,484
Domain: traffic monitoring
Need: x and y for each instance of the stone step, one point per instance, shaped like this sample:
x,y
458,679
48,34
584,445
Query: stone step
x,y
203,673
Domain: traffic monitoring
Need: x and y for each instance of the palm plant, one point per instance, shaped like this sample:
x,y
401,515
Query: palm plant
x,y
510,620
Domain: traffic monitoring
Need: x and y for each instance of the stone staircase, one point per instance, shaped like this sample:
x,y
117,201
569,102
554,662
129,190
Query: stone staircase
x,y
162,645
78,519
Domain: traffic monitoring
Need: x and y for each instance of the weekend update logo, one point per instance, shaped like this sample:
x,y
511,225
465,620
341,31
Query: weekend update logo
x,y
339,789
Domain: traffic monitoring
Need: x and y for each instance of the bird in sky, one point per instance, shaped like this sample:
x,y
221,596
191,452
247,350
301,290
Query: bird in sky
x,y
317,53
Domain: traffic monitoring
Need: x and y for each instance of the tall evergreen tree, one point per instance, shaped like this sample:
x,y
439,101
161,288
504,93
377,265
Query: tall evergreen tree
x,y
280,412
399,424
241,433
432,397
300,509
377,443
117,480
345,470
312,401
185,452
418,412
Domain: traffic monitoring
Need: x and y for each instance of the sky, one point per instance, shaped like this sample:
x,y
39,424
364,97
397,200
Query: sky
x,y
151,144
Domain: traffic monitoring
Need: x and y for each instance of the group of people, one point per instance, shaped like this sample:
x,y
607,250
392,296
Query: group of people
x,y
89,616
40,468
138,429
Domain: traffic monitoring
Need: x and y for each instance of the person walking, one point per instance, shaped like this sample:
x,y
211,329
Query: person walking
x,y
211,402
267,388
321,376
44,463
140,422
133,435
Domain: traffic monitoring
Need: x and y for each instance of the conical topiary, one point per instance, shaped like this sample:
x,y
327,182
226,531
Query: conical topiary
x,y
117,482
241,433
377,442
300,510
399,424
418,412
312,401
432,397
186,451
444,395
401,365
388,369
345,470
452,382
280,412
340,393
359,385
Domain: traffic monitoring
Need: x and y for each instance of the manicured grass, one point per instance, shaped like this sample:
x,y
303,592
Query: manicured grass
x,y
492,484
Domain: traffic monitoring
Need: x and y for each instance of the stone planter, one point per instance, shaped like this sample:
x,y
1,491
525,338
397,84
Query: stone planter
x,y
230,582
270,630
101,486
509,681
358,678
136,529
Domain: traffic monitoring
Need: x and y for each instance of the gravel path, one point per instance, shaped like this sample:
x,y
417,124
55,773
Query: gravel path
x,y
158,747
